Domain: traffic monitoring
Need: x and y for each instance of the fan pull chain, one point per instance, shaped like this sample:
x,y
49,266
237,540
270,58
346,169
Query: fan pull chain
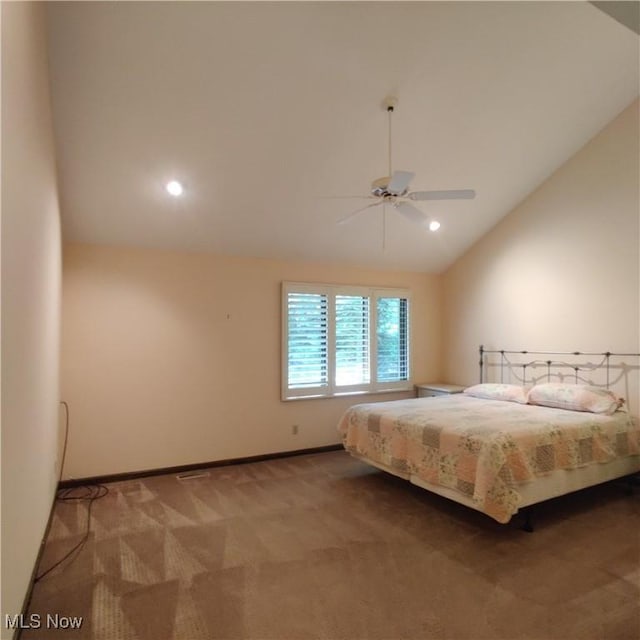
x,y
384,228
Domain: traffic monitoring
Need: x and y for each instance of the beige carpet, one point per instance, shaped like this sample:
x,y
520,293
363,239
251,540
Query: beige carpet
x,y
323,546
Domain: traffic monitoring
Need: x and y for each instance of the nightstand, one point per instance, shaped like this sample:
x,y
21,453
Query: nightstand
x,y
428,389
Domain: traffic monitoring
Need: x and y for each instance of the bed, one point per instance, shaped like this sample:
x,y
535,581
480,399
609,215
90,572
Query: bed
x,y
501,446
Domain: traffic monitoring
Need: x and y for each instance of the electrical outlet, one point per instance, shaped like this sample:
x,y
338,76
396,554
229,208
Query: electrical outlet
x,y
294,429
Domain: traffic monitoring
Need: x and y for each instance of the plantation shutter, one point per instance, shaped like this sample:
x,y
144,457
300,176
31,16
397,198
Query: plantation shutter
x,y
352,340
342,339
392,339
307,337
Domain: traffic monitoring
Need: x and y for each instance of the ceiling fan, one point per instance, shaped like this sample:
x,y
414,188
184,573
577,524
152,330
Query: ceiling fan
x,y
394,190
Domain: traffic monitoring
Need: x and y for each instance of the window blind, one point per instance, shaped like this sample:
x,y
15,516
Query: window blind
x,y
352,340
307,340
339,340
392,339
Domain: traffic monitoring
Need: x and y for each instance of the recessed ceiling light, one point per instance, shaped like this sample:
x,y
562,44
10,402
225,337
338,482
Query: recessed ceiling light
x,y
174,188
434,225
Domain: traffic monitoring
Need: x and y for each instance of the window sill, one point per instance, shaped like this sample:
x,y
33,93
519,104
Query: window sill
x,y
328,396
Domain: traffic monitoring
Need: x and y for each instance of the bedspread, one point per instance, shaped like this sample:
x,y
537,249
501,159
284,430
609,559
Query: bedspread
x,y
484,448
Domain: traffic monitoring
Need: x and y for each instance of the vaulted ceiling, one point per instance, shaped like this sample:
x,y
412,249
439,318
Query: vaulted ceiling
x,y
263,109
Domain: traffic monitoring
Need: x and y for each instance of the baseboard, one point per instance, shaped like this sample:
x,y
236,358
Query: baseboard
x,y
132,475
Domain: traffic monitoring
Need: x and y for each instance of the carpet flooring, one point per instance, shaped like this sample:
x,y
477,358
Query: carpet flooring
x,y
323,546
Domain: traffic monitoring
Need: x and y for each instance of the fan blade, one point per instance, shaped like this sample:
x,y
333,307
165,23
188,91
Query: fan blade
x,y
410,212
357,211
455,194
346,197
399,182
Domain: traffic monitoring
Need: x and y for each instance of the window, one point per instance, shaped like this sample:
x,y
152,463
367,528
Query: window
x,y
307,340
392,338
340,340
352,340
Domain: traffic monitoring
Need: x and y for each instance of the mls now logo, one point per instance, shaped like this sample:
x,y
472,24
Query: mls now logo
x,y
36,621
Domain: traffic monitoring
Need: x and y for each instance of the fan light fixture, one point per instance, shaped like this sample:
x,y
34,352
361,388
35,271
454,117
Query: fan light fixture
x,y
394,190
174,188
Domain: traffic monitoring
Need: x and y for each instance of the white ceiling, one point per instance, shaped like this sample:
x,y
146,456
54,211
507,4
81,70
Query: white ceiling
x,y
261,109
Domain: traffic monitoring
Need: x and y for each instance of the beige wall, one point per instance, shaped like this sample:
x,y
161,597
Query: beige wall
x,y
173,358
30,299
561,272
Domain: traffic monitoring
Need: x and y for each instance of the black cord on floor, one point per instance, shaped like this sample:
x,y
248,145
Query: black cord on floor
x,y
89,492
66,438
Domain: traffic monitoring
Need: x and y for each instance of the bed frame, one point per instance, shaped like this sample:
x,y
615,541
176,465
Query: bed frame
x,y
619,372
605,369
553,485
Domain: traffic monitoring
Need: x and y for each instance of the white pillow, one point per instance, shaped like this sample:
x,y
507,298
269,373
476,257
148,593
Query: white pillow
x,y
576,397
498,391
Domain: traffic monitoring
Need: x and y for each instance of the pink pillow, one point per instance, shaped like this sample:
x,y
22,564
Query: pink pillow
x,y
498,391
576,397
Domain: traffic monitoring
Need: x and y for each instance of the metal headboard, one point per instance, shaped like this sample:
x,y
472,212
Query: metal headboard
x,y
578,363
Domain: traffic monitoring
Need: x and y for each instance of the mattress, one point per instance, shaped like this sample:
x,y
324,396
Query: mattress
x,y
489,452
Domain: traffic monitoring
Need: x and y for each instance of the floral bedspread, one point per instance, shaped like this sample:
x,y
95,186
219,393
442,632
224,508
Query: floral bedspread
x,y
484,448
